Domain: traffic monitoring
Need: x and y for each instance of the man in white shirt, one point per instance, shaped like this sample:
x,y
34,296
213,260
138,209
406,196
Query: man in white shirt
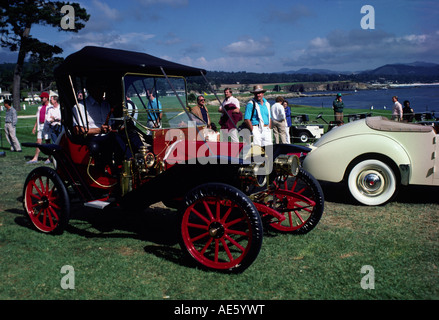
x,y
96,112
97,115
279,121
397,109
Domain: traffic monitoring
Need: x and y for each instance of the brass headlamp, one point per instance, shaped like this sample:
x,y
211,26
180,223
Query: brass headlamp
x,y
287,165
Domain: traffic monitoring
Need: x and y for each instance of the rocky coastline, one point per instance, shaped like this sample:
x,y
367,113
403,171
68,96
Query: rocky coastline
x,y
307,89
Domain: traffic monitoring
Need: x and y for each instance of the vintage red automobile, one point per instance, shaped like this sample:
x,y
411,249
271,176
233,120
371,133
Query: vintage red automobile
x,y
151,149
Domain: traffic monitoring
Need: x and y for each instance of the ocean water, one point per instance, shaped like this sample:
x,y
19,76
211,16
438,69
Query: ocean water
x,y
422,98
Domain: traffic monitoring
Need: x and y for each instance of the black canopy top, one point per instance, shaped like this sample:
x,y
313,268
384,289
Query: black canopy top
x,y
95,60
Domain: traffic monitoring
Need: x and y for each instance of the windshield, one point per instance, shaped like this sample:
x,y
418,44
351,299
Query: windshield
x,y
152,102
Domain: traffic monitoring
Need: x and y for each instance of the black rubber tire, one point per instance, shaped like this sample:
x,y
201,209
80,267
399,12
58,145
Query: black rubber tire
x,y
212,214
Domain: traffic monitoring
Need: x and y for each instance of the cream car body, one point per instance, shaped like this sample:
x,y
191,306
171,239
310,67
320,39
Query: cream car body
x,y
374,156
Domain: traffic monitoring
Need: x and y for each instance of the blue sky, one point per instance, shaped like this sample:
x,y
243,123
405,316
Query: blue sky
x,y
259,36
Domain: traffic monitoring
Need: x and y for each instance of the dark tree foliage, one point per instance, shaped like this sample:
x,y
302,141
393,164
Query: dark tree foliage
x,y
16,20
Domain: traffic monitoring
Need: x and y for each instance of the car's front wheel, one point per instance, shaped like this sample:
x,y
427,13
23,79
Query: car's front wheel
x,y
220,228
372,182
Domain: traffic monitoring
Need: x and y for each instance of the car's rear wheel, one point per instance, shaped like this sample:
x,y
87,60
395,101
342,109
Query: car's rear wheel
x,y
372,182
46,201
220,228
304,136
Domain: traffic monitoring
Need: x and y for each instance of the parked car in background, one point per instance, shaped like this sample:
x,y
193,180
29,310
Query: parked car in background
x,y
375,156
303,132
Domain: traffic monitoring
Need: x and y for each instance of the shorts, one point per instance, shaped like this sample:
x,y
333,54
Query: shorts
x,y
262,137
43,132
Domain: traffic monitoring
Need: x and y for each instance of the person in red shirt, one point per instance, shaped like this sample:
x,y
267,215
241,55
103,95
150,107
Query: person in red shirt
x,y
39,123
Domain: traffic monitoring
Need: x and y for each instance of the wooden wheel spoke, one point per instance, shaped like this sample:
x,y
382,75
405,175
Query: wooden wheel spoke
x,y
231,223
198,226
206,246
201,236
43,189
226,215
53,213
216,250
200,215
226,248
241,233
34,185
209,212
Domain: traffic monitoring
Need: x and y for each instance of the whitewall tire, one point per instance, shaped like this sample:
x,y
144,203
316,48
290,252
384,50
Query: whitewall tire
x,y
372,182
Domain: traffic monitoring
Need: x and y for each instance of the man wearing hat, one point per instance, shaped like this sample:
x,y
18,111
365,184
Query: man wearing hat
x,y
257,117
338,106
39,123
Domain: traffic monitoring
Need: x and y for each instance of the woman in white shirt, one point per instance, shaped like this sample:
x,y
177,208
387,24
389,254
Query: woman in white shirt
x,y
53,119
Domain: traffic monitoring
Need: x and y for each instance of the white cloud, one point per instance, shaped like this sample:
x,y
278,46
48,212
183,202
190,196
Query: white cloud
x,y
250,48
365,47
169,39
128,41
231,64
106,11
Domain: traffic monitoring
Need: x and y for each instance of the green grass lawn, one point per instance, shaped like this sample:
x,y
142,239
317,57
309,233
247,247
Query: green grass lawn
x,y
134,255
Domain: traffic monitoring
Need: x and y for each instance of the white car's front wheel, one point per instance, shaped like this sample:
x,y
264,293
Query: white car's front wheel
x,y
372,182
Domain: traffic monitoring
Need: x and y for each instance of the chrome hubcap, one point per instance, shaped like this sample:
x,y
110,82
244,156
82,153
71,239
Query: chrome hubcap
x,y
371,182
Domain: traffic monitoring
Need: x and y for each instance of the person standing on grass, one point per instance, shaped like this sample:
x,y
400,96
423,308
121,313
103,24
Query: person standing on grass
x,y
257,117
338,106
288,117
278,119
230,116
39,124
407,112
397,109
10,124
54,119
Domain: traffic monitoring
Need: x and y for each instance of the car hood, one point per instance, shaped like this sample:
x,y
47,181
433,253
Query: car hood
x,y
348,129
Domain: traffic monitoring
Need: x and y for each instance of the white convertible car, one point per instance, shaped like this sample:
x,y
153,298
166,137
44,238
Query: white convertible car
x,y
374,156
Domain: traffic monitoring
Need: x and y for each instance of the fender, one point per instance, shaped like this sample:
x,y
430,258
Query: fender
x,y
279,149
48,149
326,163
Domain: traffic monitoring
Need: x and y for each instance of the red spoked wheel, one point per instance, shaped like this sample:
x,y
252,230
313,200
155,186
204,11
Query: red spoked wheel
x,y
46,201
221,228
300,199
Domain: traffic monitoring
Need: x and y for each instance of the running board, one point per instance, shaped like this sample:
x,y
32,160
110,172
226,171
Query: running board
x,y
97,204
